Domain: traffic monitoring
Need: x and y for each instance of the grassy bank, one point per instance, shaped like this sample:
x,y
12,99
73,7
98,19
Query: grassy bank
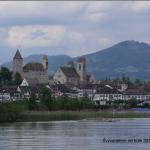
x,y
76,115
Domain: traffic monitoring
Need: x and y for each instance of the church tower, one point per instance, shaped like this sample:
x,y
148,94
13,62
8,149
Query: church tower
x,y
70,64
17,63
45,62
81,68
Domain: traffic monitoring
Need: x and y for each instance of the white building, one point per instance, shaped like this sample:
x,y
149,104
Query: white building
x,y
107,93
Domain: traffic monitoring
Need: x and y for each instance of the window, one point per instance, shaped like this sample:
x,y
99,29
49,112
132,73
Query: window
x,y
79,67
59,76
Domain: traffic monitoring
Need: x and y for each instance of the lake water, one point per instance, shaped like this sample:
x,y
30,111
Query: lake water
x,y
76,135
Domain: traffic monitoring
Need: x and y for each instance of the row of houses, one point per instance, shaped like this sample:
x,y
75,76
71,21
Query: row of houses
x,y
99,93
15,93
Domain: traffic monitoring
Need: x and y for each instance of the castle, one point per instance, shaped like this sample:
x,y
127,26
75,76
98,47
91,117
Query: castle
x,y
71,75
32,71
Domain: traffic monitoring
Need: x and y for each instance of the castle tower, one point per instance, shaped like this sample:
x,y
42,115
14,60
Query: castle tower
x,y
17,63
70,64
45,62
81,68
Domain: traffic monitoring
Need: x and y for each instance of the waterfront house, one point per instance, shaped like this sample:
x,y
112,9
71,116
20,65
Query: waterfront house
x,y
138,92
9,93
105,93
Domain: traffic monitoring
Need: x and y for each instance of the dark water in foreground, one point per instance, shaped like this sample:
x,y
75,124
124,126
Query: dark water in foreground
x,y
75,135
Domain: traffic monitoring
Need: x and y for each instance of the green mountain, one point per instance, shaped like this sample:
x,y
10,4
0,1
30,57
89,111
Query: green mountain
x,y
129,57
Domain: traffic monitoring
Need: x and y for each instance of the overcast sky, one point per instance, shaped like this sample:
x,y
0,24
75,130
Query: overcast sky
x,y
72,28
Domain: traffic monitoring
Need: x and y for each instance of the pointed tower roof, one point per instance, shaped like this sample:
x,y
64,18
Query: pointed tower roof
x,y
81,59
70,64
45,57
17,55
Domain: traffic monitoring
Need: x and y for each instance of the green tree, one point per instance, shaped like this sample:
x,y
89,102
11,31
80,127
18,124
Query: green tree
x,y
133,103
45,97
32,102
138,82
10,112
126,79
17,78
5,74
146,105
117,80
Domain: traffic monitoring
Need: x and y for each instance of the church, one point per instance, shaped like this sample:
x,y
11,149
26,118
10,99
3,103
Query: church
x,y
71,75
32,71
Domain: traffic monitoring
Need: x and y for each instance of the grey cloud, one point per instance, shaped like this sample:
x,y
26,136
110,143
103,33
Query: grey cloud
x,y
89,26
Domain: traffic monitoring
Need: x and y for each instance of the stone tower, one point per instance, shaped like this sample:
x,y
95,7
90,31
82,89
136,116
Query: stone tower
x,y
45,62
81,68
70,64
17,63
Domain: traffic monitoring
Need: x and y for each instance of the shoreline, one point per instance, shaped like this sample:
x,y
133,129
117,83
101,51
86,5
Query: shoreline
x,y
78,115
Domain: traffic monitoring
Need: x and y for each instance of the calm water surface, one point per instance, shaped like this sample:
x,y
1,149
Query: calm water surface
x,y
75,135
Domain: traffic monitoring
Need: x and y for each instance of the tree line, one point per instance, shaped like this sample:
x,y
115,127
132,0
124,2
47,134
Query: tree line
x,y
46,101
127,80
7,77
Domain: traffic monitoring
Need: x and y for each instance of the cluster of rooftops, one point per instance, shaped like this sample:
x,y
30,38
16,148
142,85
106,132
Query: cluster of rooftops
x,y
91,91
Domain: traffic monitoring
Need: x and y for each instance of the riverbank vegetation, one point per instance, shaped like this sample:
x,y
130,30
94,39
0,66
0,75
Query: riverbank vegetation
x,y
10,112
77,115
48,102
21,111
48,107
15,111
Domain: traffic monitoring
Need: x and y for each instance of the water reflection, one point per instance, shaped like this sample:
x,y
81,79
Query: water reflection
x,y
74,135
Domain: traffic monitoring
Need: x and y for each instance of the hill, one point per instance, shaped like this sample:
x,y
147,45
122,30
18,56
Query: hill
x,y
128,57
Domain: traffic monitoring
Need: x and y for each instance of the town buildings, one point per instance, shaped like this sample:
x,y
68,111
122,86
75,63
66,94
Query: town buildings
x,y
71,80
100,94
